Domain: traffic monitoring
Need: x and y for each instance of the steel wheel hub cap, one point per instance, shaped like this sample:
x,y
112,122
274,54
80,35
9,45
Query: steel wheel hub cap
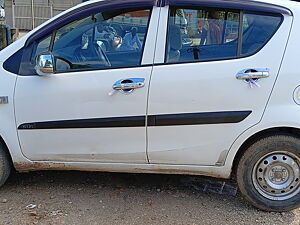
x,y
276,176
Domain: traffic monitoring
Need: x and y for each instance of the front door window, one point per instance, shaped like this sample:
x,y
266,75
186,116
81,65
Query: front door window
x,y
110,39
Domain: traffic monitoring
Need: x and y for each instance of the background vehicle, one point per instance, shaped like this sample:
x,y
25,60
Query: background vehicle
x,y
226,104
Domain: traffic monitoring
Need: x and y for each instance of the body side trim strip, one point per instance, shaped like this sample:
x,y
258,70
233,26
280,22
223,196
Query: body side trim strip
x,y
132,121
198,118
140,121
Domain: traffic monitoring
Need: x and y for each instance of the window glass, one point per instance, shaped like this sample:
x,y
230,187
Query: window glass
x,y
40,47
105,40
202,34
257,30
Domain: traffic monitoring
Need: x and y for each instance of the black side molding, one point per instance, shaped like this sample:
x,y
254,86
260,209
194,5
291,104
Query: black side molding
x,y
198,118
140,121
133,121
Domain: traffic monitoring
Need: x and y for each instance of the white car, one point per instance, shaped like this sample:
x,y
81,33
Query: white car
x,y
227,105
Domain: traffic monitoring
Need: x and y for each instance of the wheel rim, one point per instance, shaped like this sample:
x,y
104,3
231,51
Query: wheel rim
x,y
276,176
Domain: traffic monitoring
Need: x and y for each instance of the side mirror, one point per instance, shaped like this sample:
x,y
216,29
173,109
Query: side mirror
x,y
45,64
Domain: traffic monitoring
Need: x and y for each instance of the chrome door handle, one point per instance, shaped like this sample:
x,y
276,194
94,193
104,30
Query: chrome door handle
x,y
253,74
128,85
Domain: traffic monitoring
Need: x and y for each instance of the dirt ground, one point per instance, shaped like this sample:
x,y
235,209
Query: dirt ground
x,y
111,198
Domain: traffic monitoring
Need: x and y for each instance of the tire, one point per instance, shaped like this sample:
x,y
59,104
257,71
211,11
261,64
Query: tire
x,y
268,173
5,165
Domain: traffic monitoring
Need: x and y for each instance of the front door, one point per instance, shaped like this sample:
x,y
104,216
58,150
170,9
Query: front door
x,y
202,96
80,113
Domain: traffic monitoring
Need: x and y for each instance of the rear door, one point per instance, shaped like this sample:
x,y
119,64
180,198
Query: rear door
x,y
202,96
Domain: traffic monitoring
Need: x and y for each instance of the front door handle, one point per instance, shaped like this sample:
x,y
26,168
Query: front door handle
x,y
249,74
128,85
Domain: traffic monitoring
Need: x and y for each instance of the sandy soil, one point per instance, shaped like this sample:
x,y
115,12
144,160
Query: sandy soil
x,y
104,198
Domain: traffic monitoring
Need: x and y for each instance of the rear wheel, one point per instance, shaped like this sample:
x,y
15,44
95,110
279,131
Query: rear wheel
x,y
268,173
5,165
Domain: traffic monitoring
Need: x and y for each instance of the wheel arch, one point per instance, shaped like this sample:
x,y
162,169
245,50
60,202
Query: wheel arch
x,y
5,148
259,135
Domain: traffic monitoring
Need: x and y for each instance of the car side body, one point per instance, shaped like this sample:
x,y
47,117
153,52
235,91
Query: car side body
x,y
196,116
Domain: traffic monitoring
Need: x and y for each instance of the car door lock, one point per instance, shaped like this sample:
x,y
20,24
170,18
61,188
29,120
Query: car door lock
x,y
127,86
252,76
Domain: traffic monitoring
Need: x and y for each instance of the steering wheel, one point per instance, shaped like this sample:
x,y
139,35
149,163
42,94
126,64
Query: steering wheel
x,y
92,54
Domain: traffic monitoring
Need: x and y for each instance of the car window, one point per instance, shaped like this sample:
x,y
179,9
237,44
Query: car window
x,y
257,31
39,47
205,34
110,39
202,34
106,40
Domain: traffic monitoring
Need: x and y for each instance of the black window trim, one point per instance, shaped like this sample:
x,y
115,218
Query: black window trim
x,y
233,4
85,11
239,47
240,34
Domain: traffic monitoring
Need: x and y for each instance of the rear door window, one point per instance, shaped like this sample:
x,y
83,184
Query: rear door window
x,y
205,34
257,31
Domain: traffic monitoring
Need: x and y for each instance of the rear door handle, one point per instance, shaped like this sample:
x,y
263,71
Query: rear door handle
x,y
128,85
249,74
